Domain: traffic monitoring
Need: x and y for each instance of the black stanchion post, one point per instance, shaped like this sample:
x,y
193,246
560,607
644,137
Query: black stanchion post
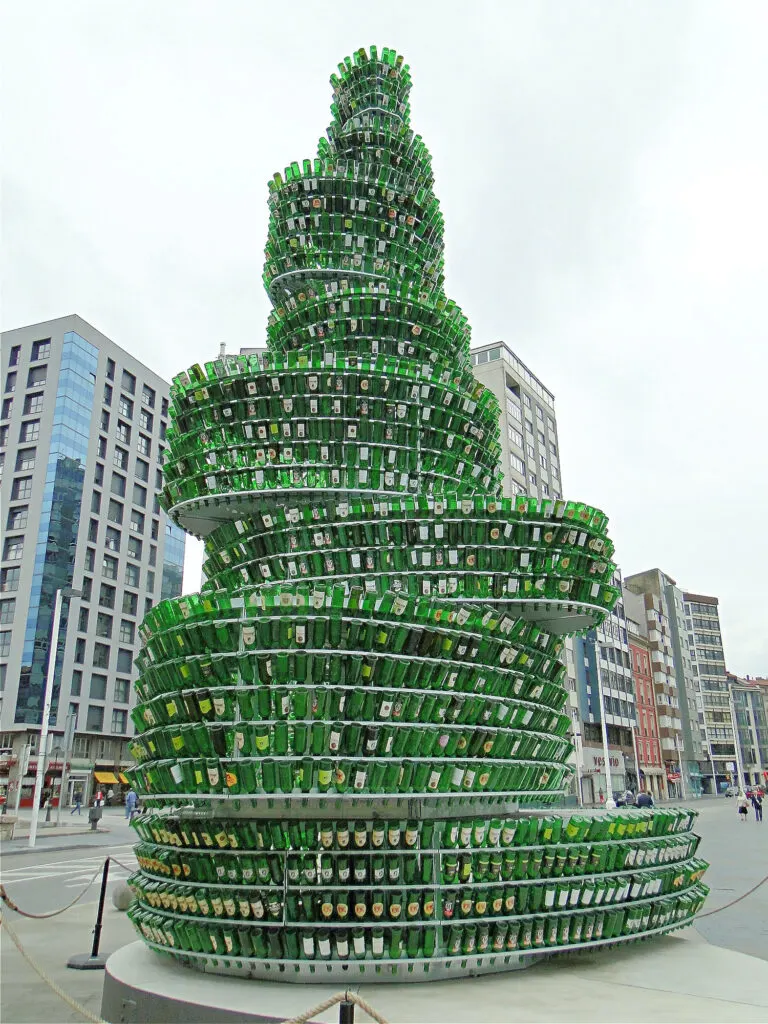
x,y
92,961
346,1011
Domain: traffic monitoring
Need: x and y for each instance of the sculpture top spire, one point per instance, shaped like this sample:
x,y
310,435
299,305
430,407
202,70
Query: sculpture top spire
x,y
362,220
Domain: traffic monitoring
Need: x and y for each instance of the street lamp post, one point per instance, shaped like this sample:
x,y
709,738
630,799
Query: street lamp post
x,y
680,766
48,697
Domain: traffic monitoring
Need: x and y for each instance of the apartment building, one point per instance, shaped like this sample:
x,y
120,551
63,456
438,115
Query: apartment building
x,y
82,442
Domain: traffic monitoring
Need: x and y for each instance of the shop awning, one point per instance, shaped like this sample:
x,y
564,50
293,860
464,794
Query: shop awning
x,y
123,779
106,777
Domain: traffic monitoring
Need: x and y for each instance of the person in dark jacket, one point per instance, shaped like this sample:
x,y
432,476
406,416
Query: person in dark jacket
x,y
644,799
757,803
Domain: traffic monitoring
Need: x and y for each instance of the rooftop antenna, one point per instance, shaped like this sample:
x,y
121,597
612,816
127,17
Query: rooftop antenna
x,y
222,349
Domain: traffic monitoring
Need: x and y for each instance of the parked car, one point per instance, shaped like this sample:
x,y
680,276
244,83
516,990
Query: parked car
x,y
732,790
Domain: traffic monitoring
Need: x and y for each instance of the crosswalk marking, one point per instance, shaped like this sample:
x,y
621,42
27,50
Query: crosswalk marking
x,y
75,871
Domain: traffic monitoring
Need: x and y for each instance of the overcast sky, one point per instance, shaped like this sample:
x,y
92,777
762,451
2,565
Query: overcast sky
x,y
602,171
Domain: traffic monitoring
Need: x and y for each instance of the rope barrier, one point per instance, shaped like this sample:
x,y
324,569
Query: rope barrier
x,y
53,913
340,997
737,900
72,1003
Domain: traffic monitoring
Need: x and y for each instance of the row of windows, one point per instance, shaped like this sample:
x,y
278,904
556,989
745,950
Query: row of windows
x,y
105,624
98,687
94,721
101,656
36,378
40,350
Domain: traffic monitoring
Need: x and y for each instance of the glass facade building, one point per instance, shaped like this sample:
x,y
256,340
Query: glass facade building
x,y
82,444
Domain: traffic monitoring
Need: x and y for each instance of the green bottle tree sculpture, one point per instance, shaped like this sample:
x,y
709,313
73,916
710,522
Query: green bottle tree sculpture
x,y
340,739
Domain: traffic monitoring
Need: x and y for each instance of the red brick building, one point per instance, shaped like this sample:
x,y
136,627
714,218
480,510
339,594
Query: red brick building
x,y
647,741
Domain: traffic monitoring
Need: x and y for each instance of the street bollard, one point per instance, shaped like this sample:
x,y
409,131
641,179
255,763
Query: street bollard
x,y
94,817
346,1012
92,961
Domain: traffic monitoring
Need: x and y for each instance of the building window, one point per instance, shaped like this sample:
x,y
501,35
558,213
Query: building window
x,y
125,406
163,430
17,517
148,602
123,432
110,369
107,394
95,502
93,531
532,479
100,656
98,690
119,720
7,406
101,448
37,376
131,575
14,358
134,544
104,625
148,396
112,539
128,383
130,602
118,485
146,420
104,420
5,643
122,691
76,683
527,400
150,581
82,620
107,595
155,528
85,588
79,651
30,431
98,474
109,567
41,350
127,631
120,461
164,407
517,464
9,580
158,480
140,495
137,522
124,661
142,470
26,460
10,383
7,611
144,445
115,512
90,559
152,554
33,404
14,549
95,720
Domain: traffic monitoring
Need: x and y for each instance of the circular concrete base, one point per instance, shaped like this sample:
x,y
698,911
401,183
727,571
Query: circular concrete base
x,y
142,986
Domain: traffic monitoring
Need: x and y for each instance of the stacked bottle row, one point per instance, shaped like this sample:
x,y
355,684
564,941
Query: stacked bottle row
x,y
439,879
365,321
378,429
366,695
497,550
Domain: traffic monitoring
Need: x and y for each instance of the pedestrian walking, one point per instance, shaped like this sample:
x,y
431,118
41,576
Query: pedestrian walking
x,y
629,798
110,796
644,799
78,801
757,803
742,805
130,803
99,800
